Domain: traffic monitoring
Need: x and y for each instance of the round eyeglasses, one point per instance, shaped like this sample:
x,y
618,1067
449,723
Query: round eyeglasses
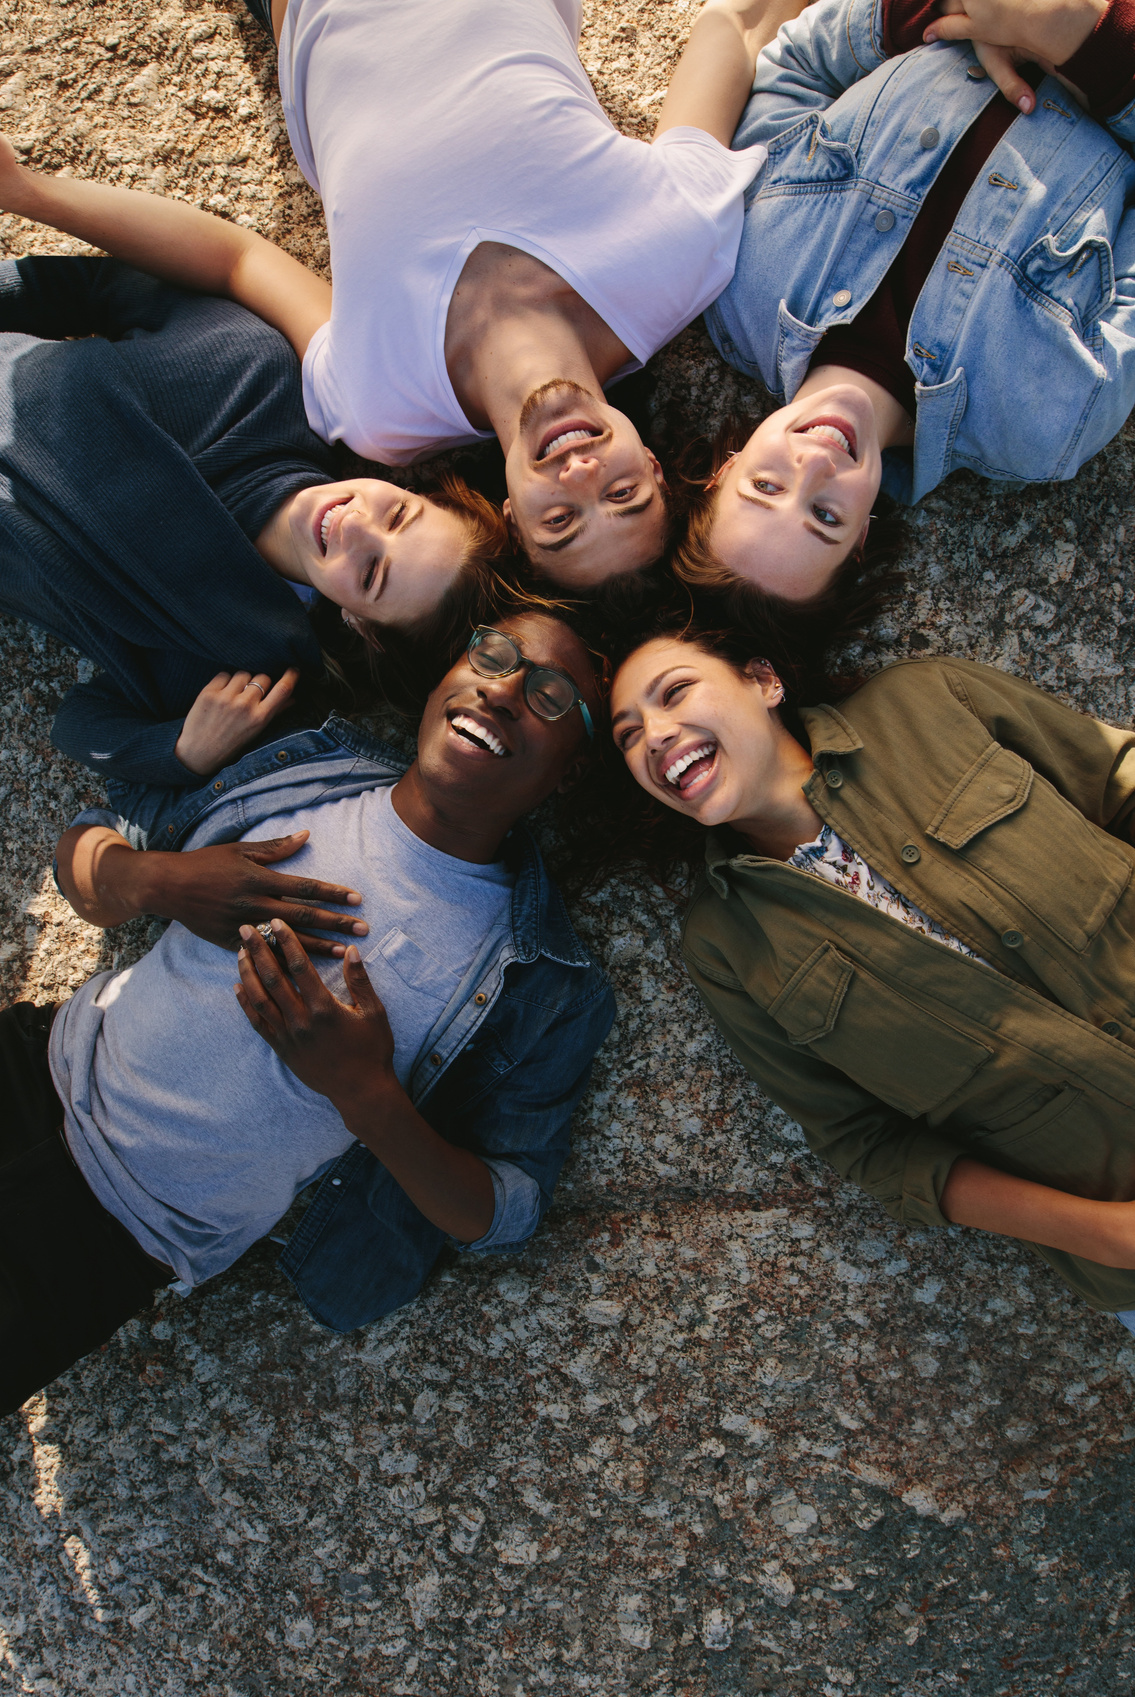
x,y
549,693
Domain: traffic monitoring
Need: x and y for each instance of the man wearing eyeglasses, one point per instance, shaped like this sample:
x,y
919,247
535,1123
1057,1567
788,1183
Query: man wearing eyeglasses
x,y
424,1074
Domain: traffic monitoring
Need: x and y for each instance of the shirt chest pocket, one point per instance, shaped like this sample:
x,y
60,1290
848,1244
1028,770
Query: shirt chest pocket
x,y
899,1052
417,969
1010,824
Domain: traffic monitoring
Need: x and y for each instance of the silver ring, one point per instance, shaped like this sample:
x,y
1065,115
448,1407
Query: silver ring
x,y
266,931
252,684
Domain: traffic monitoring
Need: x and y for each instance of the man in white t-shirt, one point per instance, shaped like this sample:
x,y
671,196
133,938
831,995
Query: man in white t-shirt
x,y
499,250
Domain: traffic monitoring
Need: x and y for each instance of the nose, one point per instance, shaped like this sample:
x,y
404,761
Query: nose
x,y
658,729
815,459
504,695
578,469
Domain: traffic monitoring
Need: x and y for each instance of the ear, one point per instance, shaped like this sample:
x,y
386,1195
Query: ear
x,y
573,772
656,468
763,674
506,511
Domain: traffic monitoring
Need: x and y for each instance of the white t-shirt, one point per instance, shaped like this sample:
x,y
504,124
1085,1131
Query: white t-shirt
x,y
431,126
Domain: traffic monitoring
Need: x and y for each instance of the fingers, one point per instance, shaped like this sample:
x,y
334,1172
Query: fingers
x,y
271,992
271,1035
254,995
1001,64
358,983
278,696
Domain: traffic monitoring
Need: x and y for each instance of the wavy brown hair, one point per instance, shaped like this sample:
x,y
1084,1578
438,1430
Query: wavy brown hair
x,y
862,584
397,663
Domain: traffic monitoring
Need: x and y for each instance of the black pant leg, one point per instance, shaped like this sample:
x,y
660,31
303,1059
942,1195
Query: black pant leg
x,y
70,1275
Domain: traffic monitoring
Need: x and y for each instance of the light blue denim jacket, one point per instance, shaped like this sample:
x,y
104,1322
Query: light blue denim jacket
x,y
501,1073
1022,342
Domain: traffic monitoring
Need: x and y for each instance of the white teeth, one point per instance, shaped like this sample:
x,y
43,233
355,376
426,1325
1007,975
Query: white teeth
x,y
470,728
674,772
568,436
830,434
327,517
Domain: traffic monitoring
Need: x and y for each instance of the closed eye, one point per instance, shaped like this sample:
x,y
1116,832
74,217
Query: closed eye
x,y
672,690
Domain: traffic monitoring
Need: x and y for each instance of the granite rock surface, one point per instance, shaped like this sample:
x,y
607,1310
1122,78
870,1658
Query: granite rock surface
x,y
722,1428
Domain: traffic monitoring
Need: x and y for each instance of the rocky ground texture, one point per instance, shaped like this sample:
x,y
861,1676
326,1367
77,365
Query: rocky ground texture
x,y
723,1428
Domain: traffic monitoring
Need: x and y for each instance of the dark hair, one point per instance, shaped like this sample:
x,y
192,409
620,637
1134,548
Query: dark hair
x,y
863,583
400,662
611,823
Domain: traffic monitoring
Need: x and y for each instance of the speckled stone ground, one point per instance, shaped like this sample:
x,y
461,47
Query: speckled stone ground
x,y
722,1429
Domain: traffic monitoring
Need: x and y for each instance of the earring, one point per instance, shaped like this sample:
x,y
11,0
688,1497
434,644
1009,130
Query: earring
x,y
349,620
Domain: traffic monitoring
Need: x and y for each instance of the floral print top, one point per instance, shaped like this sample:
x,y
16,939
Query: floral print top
x,y
829,857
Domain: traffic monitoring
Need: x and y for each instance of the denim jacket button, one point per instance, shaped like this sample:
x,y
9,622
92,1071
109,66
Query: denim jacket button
x,y
218,786
435,1060
336,1181
929,137
842,297
884,220
976,73
480,998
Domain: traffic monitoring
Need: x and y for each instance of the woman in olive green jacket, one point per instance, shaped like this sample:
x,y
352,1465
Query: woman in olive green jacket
x,y
916,929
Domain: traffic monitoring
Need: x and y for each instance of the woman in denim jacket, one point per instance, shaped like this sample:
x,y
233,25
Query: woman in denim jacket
x,y
928,276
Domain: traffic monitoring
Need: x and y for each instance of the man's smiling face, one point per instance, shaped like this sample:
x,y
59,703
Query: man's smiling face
x,y
585,496
481,746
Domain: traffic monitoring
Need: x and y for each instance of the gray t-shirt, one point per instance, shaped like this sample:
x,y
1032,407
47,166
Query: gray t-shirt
x,y
183,1121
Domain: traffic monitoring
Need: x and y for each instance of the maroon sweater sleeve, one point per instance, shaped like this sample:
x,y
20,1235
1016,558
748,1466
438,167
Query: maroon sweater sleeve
x,y
1104,67
905,20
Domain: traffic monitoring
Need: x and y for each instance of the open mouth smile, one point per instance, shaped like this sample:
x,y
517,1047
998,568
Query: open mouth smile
x,y
480,735
691,767
837,431
562,435
323,522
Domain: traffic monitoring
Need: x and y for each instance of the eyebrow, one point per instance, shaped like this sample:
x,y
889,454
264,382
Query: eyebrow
x,y
620,513
832,541
650,689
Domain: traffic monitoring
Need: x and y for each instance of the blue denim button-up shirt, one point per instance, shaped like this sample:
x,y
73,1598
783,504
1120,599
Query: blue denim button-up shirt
x,y
501,1073
1022,342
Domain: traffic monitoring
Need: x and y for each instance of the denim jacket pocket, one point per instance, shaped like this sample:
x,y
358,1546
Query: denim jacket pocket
x,y
900,1052
1075,270
796,342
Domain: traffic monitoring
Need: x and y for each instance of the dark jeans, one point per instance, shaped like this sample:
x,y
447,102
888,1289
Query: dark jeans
x,y
262,12
70,1275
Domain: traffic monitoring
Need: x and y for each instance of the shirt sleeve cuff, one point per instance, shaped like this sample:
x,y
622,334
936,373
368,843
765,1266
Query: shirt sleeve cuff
x,y
517,1211
924,1179
1103,69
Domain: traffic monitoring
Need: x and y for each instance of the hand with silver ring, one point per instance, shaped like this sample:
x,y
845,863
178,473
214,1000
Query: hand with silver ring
x,y
224,719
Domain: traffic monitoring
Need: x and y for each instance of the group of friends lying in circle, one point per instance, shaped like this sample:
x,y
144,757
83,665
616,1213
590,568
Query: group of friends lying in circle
x,y
912,915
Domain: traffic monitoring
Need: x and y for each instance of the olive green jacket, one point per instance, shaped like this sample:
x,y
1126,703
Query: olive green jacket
x,y
1003,815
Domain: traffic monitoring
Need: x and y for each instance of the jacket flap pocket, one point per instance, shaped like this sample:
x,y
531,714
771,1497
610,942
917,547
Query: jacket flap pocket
x,y
808,1005
997,784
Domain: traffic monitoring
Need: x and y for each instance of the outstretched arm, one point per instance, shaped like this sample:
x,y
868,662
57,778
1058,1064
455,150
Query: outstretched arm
x,y
714,77
977,1195
174,241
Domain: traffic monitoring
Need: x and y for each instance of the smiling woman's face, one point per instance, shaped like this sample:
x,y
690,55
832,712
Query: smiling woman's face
x,y
795,501
695,732
380,552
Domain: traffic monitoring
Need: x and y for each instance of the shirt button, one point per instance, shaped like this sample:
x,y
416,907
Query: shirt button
x,y
1012,939
169,830
884,220
910,853
1112,1027
218,786
834,778
976,73
435,1060
929,137
336,1181
480,998
842,297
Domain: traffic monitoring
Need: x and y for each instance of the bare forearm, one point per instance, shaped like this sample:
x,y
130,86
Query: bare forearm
x,y
101,875
977,1195
180,243
452,1187
714,77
